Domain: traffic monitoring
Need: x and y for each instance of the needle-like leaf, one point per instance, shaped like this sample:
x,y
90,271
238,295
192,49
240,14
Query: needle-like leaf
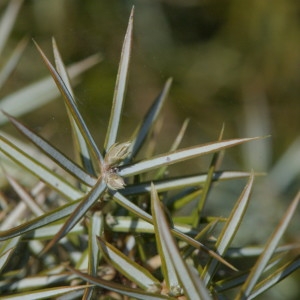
x,y
123,201
4,257
229,230
95,228
182,182
167,262
128,224
72,106
278,275
38,169
192,285
142,277
119,94
148,121
83,154
208,183
180,155
43,294
119,288
264,258
85,204
7,249
41,221
53,153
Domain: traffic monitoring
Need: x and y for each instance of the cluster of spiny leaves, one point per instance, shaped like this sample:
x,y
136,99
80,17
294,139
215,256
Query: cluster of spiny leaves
x,y
97,229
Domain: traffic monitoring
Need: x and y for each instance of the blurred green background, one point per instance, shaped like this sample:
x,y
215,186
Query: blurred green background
x,y
233,62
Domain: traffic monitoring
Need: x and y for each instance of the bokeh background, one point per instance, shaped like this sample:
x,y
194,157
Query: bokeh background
x,y
232,62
